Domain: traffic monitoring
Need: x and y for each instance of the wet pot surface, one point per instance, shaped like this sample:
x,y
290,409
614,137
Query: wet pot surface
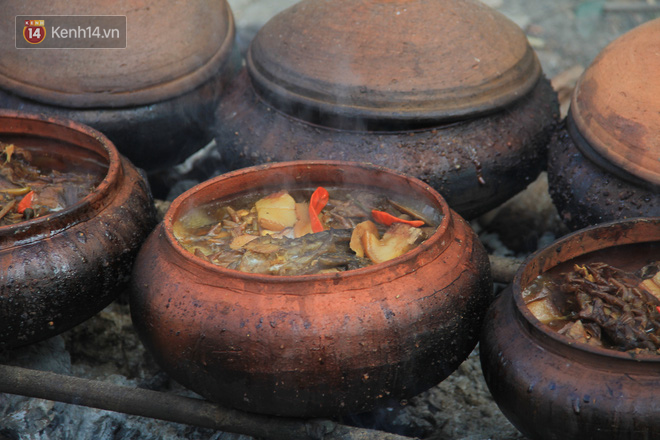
x,y
586,194
551,387
312,345
60,269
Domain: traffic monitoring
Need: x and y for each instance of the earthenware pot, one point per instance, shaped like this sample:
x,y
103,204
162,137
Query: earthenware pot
x,y
551,387
312,345
604,164
447,91
154,99
60,269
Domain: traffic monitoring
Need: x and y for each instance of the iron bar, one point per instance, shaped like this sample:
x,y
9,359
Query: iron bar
x,y
174,408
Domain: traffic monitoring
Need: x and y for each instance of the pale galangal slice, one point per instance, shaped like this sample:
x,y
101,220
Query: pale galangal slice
x,y
276,211
396,241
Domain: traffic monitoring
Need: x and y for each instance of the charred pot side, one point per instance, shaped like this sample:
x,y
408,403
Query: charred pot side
x,y
575,356
476,164
586,194
64,267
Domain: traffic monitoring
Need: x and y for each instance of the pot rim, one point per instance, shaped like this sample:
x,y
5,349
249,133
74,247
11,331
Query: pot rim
x,y
179,205
557,253
93,140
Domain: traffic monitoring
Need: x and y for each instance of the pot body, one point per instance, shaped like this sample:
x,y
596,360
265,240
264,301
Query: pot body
x,y
476,164
586,194
611,101
604,165
58,270
313,345
550,388
153,99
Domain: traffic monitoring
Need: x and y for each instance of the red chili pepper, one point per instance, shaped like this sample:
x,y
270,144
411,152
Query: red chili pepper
x,y
25,202
317,202
657,308
387,219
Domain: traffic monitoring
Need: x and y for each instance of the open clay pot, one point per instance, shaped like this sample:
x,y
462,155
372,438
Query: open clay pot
x,y
552,387
450,93
62,268
604,164
154,99
312,345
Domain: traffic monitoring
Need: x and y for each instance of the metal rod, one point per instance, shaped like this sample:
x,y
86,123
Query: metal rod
x,y
174,408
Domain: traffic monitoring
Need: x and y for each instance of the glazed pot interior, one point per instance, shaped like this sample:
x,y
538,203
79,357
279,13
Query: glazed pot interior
x,y
622,244
310,174
62,145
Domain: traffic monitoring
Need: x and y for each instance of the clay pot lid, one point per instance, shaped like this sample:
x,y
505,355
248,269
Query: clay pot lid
x,y
172,47
616,105
422,61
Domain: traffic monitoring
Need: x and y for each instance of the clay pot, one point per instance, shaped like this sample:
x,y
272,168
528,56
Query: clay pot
x,y
62,268
604,163
154,99
312,345
451,93
551,387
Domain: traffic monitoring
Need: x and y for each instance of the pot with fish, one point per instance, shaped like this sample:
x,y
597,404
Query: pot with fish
x,y
451,93
310,288
572,348
73,215
604,164
151,92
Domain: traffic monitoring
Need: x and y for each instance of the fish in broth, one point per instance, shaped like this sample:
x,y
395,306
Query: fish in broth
x,y
305,231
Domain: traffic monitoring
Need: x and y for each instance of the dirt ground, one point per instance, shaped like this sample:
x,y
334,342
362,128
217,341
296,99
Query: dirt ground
x,y
567,35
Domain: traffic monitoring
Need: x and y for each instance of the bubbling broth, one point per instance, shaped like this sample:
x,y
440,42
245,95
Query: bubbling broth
x,y
306,231
35,183
608,299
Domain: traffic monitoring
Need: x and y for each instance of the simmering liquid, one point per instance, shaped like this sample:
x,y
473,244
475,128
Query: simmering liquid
x,y
607,299
276,232
35,183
